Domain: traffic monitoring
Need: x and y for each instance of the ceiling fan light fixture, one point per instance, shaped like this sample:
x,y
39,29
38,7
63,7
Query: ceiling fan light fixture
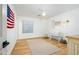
x,y
43,14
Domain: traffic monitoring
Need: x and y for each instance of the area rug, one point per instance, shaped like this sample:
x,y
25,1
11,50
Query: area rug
x,y
41,47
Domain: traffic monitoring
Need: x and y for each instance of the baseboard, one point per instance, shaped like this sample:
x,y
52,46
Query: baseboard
x,y
35,38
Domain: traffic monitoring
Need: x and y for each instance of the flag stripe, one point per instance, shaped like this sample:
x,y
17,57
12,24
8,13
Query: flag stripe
x,y
10,20
10,24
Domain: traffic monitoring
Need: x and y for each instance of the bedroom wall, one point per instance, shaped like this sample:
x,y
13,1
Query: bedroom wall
x,y
0,28
0,20
39,27
10,34
71,28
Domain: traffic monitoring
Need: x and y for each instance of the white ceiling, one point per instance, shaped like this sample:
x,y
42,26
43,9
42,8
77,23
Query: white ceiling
x,y
33,10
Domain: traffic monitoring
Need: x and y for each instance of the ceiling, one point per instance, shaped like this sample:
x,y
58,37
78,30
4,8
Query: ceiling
x,y
34,10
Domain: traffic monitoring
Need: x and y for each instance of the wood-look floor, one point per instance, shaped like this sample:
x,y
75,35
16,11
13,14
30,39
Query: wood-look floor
x,y
22,48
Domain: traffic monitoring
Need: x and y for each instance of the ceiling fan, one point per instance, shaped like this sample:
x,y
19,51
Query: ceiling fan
x,y
43,12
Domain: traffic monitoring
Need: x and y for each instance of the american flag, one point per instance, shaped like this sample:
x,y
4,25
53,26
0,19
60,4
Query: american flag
x,y
10,18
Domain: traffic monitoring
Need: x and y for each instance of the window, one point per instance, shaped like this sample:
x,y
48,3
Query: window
x,y
27,26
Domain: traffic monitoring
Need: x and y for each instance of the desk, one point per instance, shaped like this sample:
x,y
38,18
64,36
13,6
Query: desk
x,y
57,37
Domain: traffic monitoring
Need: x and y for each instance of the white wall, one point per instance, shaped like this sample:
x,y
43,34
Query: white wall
x,y
10,34
0,28
71,28
40,27
0,20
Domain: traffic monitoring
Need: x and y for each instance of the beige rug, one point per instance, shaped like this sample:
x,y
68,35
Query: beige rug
x,y
41,47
